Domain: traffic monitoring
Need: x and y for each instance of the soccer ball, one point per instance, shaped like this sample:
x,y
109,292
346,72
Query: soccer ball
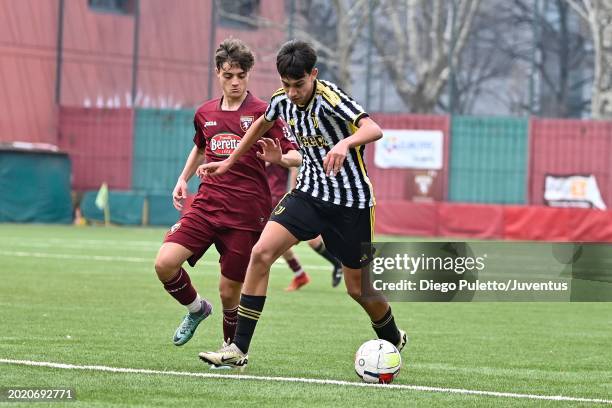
x,y
377,361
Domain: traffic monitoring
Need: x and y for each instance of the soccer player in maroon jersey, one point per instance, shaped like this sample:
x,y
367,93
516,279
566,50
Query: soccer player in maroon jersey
x,y
229,211
278,179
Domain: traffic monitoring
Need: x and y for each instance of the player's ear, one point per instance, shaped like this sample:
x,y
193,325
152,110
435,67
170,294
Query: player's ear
x,y
314,73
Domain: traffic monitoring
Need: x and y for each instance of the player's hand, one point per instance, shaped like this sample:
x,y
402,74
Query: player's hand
x,y
213,169
270,150
179,194
334,159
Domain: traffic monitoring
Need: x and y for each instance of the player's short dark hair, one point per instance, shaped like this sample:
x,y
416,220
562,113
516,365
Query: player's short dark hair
x,y
236,53
295,58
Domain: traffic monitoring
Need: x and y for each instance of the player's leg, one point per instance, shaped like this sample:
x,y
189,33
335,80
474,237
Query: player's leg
x,y
377,308
354,227
235,247
274,241
178,247
229,292
300,277
319,247
293,219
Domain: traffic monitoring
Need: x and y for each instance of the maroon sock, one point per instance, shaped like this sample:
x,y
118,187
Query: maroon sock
x,y
230,319
294,265
180,288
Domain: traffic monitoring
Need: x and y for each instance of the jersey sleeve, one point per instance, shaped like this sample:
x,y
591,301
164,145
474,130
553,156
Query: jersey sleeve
x,y
344,106
198,137
273,110
281,131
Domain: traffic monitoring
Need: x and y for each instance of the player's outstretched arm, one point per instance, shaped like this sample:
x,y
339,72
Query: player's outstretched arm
x,y
180,189
368,132
257,129
271,152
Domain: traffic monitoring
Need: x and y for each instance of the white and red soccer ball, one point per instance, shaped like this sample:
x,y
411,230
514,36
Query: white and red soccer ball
x,y
377,361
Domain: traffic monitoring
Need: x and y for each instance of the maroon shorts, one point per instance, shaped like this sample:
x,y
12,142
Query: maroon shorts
x,y
197,235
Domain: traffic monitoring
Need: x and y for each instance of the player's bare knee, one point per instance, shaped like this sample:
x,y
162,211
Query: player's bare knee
x,y
353,286
262,256
355,293
165,268
226,296
229,295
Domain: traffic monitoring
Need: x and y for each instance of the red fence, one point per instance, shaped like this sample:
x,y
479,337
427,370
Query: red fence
x,y
99,142
482,221
564,147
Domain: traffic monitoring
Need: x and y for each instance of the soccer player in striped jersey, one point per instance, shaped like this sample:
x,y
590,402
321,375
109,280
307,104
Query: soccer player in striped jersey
x,y
333,196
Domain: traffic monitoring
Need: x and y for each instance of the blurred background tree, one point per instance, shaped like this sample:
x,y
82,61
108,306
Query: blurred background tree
x,y
520,57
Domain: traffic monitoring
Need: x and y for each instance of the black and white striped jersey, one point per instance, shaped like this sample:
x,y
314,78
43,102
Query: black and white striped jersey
x,y
329,117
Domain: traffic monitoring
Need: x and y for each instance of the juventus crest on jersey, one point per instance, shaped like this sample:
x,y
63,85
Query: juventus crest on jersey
x,y
329,117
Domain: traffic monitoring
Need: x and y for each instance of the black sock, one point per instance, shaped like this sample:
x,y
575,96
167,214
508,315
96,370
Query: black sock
x,y
248,313
386,329
322,250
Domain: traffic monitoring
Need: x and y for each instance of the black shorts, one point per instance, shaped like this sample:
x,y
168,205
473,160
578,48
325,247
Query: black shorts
x,y
343,229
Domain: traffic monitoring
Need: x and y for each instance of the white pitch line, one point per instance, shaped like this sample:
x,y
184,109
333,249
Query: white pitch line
x,y
300,380
104,258
79,241
77,257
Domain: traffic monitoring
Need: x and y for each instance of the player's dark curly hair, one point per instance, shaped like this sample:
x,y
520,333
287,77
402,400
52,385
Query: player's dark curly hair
x,y
295,58
236,53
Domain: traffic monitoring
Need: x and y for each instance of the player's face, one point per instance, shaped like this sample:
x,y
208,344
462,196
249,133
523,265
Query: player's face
x,y
233,81
300,90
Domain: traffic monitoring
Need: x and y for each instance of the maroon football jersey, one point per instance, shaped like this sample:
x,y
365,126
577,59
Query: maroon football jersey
x,y
277,180
240,198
